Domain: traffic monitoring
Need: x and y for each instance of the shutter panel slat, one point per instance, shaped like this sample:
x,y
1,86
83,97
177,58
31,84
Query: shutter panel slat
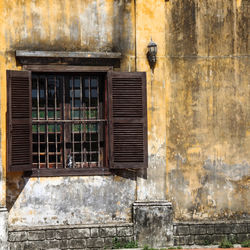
x,y
19,121
127,120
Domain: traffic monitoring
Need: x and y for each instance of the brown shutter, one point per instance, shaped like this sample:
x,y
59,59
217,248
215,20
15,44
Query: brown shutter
x,y
19,140
127,120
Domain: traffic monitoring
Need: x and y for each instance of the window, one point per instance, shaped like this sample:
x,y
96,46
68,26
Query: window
x,y
68,120
76,123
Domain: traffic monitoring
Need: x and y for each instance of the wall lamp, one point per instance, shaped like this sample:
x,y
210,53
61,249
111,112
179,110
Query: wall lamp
x,y
151,54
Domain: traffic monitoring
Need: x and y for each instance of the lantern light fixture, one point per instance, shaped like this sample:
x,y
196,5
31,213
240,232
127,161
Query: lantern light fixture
x,y
151,54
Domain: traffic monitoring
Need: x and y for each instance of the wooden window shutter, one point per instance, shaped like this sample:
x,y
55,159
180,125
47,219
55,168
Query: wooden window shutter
x,y
127,120
19,130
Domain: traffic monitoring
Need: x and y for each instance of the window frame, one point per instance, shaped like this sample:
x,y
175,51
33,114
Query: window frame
x,y
136,87
50,172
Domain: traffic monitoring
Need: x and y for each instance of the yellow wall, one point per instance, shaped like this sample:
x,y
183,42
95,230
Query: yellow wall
x,y
198,95
208,116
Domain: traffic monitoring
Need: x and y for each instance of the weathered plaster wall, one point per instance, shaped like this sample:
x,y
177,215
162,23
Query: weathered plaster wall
x,y
92,25
150,23
208,116
70,200
198,105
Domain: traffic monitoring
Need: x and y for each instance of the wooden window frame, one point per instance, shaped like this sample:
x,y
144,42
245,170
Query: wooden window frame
x,y
46,172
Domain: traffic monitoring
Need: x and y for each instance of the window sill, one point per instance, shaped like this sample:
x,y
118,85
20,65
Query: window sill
x,y
68,172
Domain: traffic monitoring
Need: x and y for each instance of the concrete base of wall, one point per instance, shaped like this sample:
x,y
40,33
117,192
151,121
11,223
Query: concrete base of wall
x,y
207,233
3,228
70,236
153,223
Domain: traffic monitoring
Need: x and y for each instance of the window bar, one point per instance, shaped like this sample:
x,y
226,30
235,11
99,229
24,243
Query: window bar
x,y
89,125
105,124
98,124
55,115
63,115
72,126
46,115
80,118
38,117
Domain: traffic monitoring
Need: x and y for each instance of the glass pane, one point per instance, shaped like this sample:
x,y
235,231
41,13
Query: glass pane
x,y
51,137
42,138
51,114
35,158
87,146
77,147
34,114
93,93
92,127
77,93
94,157
35,147
76,114
86,82
42,147
77,137
42,128
77,157
58,114
76,127
42,91
51,91
34,92
59,91
42,158
52,158
34,128
51,128
77,82
77,102
34,138
86,93
52,147
94,82
58,128
93,113
94,137
94,146
42,114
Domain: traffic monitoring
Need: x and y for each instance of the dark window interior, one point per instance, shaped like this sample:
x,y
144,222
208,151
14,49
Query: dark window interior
x,y
68,120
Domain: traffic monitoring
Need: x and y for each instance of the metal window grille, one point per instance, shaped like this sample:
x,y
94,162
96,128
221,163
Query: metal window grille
x,y
68,120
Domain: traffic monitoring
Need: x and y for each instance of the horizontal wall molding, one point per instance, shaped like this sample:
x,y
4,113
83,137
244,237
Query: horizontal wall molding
x,y
69,57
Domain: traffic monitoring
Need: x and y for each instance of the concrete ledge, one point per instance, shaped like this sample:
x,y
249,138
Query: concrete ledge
x,y
209,222
69,54
26,57
152,203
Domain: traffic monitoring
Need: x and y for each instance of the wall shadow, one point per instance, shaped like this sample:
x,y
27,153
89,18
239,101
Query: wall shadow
x,y
15,183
